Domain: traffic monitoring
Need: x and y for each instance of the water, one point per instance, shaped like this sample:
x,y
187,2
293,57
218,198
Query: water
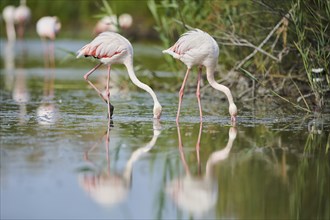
x,y
60,161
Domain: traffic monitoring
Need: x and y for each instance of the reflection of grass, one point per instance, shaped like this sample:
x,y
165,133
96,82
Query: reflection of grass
x,y
311,182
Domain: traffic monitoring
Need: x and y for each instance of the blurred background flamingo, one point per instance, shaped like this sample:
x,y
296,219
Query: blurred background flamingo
x,y
47,28
22,18
19,16
113,23
8,15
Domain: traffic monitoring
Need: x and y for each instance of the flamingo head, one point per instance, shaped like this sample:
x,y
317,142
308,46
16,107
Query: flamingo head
x,y
233,112
157,111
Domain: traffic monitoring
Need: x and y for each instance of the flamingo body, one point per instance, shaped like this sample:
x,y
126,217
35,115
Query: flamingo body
x,y
197,47
125,20
8,14
111,48
22,17
48,27
22,14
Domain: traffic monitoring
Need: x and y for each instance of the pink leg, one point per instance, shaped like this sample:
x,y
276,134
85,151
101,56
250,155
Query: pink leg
x,y
46,52
46,62
198,94
52,68
108,94
91,84
181,94
51,54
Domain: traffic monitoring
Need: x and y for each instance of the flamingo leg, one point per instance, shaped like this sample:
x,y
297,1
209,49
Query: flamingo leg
x,y
198,94
52,68
181,92
91,84
46,52
110,107
51,54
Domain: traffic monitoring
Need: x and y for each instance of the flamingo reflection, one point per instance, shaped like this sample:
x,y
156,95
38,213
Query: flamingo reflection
x,y
17,81
47,112
197,195
21,95
107,187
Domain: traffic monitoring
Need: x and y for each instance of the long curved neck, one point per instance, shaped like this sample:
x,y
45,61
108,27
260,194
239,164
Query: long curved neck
x,y
217,156
137,82
210,77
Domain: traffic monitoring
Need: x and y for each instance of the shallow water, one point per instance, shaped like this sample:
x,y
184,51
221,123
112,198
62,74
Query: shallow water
x,y
59,160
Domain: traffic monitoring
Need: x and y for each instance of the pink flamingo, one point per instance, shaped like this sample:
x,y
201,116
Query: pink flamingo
x,y
22,17
112,23
111,48
8,15
47,28
196,47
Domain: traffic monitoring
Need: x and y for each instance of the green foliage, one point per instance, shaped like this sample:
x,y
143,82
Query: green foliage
x,y
311,21
278,41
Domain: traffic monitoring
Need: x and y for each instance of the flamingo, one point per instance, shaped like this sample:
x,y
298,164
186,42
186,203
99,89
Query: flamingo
x,y
47,28
8,15
107,23
125,21
111,48
22,17
110,23
197,47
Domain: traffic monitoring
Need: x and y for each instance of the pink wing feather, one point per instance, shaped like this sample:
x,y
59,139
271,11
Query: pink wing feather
x,y
105,45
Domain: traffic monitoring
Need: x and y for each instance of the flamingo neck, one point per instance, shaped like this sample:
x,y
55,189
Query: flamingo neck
x,y
210,77
137,154
216,157
137,82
